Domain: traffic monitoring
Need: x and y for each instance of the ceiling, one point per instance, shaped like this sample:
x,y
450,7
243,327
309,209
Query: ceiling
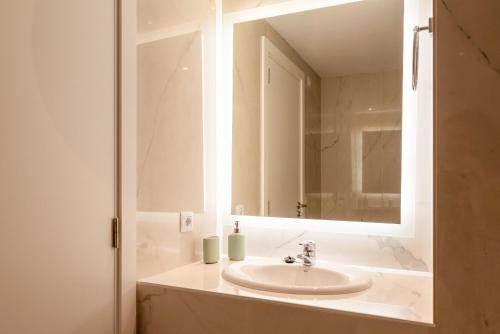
x,y
359,37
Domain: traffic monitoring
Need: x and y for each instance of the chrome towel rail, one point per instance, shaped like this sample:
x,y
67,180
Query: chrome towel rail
x,y
416,32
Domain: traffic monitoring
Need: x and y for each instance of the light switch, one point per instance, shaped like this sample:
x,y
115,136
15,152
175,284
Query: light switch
x,y
187,221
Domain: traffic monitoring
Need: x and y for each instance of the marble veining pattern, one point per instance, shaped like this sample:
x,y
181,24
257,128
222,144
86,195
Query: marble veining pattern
x,y
467,166
462,29
363,250
170,106
394,294
467,240
403,256
353,107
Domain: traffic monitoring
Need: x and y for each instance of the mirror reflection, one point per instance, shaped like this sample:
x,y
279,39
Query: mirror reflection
x,y
317,109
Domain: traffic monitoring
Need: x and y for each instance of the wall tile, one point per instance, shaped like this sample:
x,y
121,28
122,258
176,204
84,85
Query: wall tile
x,y
170,125
178,175
467,189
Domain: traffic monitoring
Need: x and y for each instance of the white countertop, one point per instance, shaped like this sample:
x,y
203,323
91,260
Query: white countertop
x,y
396,294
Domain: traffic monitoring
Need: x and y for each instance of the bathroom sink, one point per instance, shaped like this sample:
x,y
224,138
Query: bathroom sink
x,y
291,278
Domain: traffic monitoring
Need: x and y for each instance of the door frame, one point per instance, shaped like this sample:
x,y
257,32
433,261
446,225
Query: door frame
x,y
125,164
271,51
118,155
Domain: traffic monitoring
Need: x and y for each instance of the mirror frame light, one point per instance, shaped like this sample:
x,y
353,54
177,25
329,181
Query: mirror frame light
x,y
406,229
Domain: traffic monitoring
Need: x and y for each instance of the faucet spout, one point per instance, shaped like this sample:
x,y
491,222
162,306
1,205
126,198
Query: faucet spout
x,y
306,262
308,255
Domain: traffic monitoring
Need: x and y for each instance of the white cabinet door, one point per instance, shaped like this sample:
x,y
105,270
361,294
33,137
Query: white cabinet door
x,y
57,172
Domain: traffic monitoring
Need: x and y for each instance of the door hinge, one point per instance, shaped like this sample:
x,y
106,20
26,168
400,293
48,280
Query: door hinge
x,y
115,243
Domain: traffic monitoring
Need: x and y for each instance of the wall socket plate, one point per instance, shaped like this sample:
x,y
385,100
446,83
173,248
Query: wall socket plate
x,y
187,221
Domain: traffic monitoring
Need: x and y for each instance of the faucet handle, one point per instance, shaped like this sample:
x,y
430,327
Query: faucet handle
x,y
309,245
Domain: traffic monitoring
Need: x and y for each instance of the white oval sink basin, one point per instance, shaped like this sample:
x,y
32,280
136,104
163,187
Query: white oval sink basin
x,y
291,278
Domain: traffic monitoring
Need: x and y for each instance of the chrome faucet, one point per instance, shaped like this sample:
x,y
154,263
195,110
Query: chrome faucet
x,y
308,255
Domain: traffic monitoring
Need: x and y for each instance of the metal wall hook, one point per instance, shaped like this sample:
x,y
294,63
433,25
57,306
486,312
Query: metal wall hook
x,y
416,31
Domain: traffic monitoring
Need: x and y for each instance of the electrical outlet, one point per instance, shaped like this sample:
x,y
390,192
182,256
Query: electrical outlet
x,y
187,221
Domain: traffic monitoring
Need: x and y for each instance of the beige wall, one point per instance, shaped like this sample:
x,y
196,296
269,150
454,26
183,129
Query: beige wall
x,y
246,118
349,105
170,125
184,28
467,165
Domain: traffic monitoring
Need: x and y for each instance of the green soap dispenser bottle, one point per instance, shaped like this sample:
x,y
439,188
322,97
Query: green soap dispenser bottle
x,y
236,244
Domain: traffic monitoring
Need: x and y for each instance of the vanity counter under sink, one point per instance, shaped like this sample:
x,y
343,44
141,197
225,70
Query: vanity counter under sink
x,y
394,294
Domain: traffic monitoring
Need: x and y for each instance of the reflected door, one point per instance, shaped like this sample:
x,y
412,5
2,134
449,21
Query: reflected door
x,y
282,111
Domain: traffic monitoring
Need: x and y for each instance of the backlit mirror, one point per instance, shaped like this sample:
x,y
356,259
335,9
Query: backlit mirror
x,y
317,114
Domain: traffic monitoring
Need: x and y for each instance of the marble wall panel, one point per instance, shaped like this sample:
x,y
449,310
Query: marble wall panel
x,y
156,15
237,5
182,34
467,240
364,250
160,246
164,310
467,187
350,106
170,125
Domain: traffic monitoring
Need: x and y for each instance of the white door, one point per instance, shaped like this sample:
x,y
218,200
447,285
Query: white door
x,y
282,118
57,172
